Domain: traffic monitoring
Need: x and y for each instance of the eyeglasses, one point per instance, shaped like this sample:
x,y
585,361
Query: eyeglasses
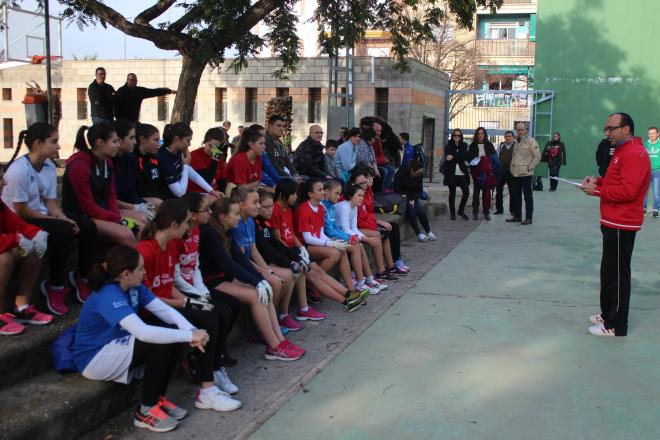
x,y
456,135
611,129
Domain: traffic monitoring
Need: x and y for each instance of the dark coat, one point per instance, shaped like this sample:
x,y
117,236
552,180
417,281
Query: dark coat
x,y
279,156
411,187
308,158
129,101
473,150
604,154
101,97
459,158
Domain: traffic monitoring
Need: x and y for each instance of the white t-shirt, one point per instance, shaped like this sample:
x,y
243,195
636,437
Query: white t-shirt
x,y
482,150
24,184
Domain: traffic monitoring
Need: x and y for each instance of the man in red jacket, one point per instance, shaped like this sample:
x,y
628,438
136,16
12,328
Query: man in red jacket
x,y
621,193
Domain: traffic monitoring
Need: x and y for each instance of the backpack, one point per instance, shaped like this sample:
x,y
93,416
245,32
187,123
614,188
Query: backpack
x,y
420,155
537,184
62,351
392,203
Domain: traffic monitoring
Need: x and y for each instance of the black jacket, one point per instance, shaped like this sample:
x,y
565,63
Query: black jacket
x,y
279,156
273,250
604,154
473,150
126,173
392,147
128,101
411,187
459,157
545,155
308,158
101,97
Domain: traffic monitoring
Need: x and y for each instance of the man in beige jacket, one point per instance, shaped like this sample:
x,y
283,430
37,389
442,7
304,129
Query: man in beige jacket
x,y
526,155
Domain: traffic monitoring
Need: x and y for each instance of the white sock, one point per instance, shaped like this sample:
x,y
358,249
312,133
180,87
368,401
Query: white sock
x,y
283,316
57,287
370,279
23,307
210,390
304,309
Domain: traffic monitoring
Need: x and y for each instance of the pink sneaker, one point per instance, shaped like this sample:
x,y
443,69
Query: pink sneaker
x,y
294,347
55,298
31,315
81,288
282,353
310,314
8,326
290,323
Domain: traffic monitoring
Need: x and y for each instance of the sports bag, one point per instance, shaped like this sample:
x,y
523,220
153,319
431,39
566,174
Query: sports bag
x,y
62,351
392,203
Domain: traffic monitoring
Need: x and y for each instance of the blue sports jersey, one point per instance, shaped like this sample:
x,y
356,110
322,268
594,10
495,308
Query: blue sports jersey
x,y
99,319
170,168
244,235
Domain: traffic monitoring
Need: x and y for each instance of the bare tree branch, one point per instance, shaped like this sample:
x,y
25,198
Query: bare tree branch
x,y
155,11
187,18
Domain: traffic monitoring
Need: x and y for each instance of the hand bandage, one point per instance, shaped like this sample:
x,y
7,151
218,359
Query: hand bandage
x,y
199,304
265,292
40,243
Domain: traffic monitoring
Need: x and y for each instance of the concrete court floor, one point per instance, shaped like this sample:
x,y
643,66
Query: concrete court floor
x,y
492,344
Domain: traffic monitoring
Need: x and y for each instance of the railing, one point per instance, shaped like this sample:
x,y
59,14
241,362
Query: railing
x,y
517,2
505,48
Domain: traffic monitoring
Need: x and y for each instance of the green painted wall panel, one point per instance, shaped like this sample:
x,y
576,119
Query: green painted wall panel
x,y
599,56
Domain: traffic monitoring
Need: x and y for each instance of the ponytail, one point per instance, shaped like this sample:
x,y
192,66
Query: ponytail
x,y
39,131
103,131
221,207
178,129
247,138
171,210
21,137
118,259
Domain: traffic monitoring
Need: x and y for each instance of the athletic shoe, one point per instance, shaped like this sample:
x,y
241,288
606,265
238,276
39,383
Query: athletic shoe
x,y
31,315
397,272
422,237
282,353
377,285
54,298
290,323
402,265
310,314
213,398
171,409
296,348
596,319
223,382
352,296
8,326
155,419
227,361
600,330
313,296
432,236
355,299
355,304
80,287
385,276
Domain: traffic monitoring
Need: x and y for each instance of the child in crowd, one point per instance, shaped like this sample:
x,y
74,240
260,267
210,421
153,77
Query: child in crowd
x,y
210,160
188,279
276,253
21,247
408,181
283,227
226,269
329,164
355,250
244,168
160,249
174,162
373,227
88,187
126,172
31,192
149,186
112,340
346,157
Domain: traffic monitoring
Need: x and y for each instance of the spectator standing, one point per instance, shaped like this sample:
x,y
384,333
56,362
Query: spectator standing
x,y
481,148
604,153
101,96
653,148
308,157
277,152
346,158
621,194
129,97
456,173
526,156
554,154
505,153
226,125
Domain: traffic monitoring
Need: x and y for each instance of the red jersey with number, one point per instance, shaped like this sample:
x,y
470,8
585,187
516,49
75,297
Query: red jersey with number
x,y
159,265
308,220
367,212
241,171
189,257
282,220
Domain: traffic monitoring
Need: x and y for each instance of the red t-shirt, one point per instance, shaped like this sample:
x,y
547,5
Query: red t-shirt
x,y
190,254
241,171
201,162
306,220
159,265
367,212
282,220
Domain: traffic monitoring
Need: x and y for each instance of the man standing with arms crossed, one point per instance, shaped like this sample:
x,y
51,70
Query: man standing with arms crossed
x,y
621,194
526,156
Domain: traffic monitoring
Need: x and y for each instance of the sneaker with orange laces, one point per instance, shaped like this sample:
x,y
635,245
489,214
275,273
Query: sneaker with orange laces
x,y
171,409
30,315
310,314
154,419
55,298
80,287
8,325
282,353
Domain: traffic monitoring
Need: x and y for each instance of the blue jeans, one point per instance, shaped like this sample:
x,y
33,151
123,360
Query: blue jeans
x,y
386,176
415,211
655,187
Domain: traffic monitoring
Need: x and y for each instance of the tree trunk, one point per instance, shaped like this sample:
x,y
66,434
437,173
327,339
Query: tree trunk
x,y
192,69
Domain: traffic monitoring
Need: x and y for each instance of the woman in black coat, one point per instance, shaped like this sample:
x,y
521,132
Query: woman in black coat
x,y
456,173
482,148
555,154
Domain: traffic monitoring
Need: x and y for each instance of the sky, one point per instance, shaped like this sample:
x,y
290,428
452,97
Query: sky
x,y
108,43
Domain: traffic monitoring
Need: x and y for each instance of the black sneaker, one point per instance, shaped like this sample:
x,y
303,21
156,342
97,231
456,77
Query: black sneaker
x,y
453,217
397,272
463,215
655,214
487,216
386,276
498,212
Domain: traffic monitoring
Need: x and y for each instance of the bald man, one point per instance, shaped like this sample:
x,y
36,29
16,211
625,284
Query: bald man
x,y
129,97
308,157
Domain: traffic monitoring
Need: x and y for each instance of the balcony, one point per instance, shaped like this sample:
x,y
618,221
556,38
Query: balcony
x,y
517,2
505,48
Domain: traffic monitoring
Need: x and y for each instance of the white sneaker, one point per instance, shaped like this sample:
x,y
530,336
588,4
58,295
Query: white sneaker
x,y
222,381
432,236
596,319
600,330
213,398
422,236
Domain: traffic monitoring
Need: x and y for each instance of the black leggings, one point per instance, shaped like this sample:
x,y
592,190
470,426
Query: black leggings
x,y
230,308
414,212
160,361
461,181
395,240
60,235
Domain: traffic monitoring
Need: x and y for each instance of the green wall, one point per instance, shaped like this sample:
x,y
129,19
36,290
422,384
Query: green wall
x,y
600,56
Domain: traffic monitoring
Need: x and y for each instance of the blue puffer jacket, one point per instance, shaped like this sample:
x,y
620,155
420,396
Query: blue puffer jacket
x,y
330,225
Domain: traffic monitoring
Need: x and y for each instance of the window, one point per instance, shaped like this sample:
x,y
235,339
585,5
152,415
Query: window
x,y
250,104
81,101
502,31
382,102
314,104
220,104
162,108
8,131
6,94
282,91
